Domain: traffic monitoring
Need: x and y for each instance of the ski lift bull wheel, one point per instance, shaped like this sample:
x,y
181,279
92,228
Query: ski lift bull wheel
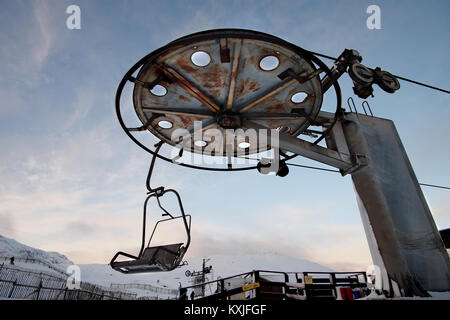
x,y
221,78
156,258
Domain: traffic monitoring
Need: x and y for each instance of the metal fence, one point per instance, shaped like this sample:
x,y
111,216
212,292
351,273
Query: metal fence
x,y
147,287
278,285
16,283
35,261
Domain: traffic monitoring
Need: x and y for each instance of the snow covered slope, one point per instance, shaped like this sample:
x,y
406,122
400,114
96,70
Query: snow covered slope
x,y
223,266
104,275
11,248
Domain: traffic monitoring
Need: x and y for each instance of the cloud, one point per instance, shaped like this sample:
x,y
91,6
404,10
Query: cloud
x,y
45,34
79,228
210,238
302,234
340,247
7,224
441,214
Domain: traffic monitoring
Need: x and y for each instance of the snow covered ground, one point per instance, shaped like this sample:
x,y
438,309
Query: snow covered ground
x,y
36,258
104,275
162,283
223,266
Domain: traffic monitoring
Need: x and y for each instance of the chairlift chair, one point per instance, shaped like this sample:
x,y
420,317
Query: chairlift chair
x,y
156,258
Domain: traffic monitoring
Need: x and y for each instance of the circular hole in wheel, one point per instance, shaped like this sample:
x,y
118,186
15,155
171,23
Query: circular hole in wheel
x,y
244,145
158,90
200,58
299,97
269,63
164,124
200,143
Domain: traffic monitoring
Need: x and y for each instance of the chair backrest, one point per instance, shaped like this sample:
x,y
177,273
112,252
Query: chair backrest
x,y
165,255
188,217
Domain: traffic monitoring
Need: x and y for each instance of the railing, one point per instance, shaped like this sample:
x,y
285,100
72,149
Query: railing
x,y
367,112
16,283
147,287
35,261
277,285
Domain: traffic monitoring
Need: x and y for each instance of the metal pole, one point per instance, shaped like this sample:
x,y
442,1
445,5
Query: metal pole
x,y
39,290
203,278
12,289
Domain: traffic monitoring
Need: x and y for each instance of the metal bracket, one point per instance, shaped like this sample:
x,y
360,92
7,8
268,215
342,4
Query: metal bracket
x,y
358,161
306,149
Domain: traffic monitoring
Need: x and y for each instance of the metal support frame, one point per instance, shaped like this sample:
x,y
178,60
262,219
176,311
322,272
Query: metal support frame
x,y
346,162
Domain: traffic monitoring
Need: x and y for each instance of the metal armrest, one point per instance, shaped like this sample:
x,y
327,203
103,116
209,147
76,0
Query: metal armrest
x,y
123,254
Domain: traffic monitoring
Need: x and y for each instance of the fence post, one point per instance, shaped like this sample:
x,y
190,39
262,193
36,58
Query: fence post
x,y
306,286
12,289
333,284
39,290
258,289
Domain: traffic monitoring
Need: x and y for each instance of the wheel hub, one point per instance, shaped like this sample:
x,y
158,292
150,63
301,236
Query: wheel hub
x,y
229,120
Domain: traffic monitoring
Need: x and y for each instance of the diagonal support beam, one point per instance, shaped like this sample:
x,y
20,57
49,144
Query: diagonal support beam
x,y
178,78
345,162
179,112
281,87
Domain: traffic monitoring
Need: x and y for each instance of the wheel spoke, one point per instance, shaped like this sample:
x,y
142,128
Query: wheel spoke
x,y
271,116
268,95
206,124
179,111
233,76
175,76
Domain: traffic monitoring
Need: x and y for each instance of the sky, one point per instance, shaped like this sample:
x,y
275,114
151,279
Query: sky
x,y
73,182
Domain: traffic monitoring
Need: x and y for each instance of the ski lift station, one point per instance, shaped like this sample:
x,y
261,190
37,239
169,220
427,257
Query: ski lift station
x,y
217,99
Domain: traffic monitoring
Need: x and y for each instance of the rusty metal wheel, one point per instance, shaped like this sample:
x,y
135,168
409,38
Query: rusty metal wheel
x,y
208,82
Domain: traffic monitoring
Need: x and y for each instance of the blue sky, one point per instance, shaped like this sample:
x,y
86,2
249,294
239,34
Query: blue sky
x,y
73,182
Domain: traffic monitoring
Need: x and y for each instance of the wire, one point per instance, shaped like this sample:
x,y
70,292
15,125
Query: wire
x,y
331,170
399,77
434,186
422,84
323,56
308,167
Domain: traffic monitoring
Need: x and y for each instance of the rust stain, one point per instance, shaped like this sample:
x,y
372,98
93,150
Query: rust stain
x,y
154,102
213,81
248,61
276,107
183,98
246,86
186,121
186,65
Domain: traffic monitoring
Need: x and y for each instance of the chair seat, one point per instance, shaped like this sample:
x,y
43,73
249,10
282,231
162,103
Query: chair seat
x,y
153,259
